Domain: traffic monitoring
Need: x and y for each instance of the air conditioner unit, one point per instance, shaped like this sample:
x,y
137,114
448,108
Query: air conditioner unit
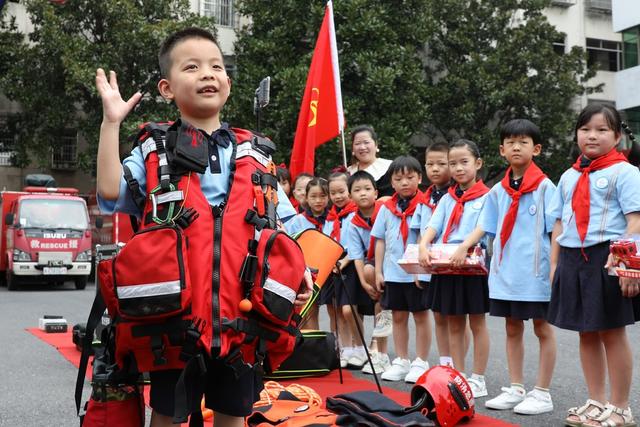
x,y
598,6
563,3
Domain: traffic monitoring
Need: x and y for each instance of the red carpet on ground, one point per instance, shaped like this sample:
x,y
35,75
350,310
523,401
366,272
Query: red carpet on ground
x,y
328,385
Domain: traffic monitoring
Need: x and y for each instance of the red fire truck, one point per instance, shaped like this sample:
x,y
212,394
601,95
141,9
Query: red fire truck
x,y
45,237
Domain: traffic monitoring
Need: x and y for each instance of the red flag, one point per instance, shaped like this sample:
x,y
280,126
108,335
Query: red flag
x,y
321,117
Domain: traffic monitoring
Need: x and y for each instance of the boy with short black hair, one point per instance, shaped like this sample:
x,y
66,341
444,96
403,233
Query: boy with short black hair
x,y
517,211
401,295
194,77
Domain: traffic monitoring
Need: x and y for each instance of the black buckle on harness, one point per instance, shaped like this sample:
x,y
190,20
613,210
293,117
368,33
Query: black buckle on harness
x,y
157,348
191,337
235,361
256,220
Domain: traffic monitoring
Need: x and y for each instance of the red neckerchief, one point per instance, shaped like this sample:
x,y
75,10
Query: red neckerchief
x,y
477,190
392,205
336,216
532,178
317,222
295,204
359,221
427,197
581,199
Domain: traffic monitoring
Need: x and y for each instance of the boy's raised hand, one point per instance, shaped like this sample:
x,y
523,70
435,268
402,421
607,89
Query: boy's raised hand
x,y
114,108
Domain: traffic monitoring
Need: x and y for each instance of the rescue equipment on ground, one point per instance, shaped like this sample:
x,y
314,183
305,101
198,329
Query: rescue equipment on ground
x,y
445,395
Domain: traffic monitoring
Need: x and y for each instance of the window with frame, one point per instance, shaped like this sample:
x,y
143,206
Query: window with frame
x,y
221,10
630,47
7,141
559,45
65,154
605,55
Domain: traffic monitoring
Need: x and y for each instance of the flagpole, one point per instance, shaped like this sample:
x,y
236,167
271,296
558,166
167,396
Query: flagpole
x,y
344,148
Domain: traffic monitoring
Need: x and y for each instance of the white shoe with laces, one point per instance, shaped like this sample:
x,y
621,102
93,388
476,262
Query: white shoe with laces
x,y
478,386
508,399
384,324
398,370
358,358
536,402
416,369
345,354
380,363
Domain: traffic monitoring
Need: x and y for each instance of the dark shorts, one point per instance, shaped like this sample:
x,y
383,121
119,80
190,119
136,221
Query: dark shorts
x,y
453,295
522,310
404,297
349,291
223,392
584,297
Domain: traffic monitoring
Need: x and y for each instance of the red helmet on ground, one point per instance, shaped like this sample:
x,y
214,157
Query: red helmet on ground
x,y
445,395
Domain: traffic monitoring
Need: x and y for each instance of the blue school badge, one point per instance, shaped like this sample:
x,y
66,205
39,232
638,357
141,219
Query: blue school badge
x,y
477,205
533,209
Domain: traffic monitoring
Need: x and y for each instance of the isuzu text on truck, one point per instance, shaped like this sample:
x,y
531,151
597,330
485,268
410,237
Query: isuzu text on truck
x,y
46,237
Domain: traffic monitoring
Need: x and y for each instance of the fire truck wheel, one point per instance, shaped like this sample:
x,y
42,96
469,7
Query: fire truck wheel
x,y
81,282
12,281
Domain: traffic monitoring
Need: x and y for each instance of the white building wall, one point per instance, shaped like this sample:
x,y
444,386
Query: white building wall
x,y
579,22
626,14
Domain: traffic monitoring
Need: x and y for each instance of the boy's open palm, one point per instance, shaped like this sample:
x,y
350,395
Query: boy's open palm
x,y
114,108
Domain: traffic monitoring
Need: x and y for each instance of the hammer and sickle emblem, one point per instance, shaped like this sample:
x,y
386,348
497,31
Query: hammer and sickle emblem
x,y
315,95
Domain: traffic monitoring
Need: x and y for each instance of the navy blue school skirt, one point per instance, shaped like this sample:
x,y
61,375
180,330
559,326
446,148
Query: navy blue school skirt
x,y
522,310
453,295
349,291
584,297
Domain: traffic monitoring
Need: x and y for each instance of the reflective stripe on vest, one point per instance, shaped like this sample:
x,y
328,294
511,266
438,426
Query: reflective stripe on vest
x,y
149,289
280,289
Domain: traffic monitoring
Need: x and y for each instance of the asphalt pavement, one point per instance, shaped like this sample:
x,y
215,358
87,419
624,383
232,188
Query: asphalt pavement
x,y
37,383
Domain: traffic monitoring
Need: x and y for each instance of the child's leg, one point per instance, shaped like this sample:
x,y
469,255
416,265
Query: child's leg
x,y
351,330
546,338
593,363
380,342
401,333
619,363
442,334
159,420
423,333
457,326
222,420
478,325
515,349
313,323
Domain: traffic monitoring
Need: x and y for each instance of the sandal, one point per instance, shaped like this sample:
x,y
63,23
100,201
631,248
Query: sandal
x,y
577,416
605,418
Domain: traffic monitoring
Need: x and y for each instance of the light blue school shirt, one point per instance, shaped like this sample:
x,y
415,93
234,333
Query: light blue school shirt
x,y
387,228
523,273
468,221
421,217
614,192
358,242
327,228
214,186
300,223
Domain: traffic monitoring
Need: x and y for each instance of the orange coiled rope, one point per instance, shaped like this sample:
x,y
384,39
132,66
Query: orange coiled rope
x,y
272,390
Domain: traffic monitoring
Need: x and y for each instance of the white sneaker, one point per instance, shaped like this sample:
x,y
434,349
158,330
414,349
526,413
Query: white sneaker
x,y
380,363
345,354
508,399
536,402
398,370
417,368
384,324
478,386
358,358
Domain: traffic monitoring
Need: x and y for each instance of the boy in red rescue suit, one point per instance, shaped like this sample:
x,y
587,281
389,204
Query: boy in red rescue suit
x,y
194,77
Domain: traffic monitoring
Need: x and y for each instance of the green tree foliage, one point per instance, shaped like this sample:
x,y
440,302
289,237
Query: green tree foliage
x,y
50,72
440,68
493,61
378,47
